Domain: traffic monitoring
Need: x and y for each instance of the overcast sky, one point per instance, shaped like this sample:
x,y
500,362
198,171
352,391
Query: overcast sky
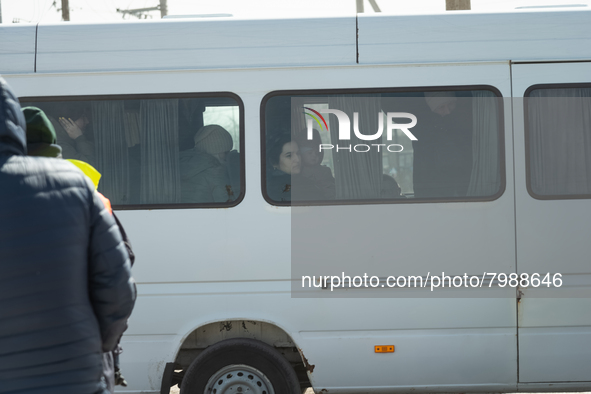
x,y
33,11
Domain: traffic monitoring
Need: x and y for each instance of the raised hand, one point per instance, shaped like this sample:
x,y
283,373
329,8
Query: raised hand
x,y
71,127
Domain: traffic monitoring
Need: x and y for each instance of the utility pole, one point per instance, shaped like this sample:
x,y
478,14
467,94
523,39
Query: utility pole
x,y
456,5
0,13
66,10
163,8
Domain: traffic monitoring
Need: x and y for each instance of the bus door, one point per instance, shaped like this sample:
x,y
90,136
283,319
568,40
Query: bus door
x,y
552,132
413,216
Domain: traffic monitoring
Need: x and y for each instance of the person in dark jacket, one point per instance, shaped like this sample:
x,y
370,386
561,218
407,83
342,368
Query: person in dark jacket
x,y
66,290
42,142
442,162
204,176
312,168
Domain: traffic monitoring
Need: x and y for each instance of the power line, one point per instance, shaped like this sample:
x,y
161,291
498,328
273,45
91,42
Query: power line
x,y
143,12
44,10
95,12
139,12
19,20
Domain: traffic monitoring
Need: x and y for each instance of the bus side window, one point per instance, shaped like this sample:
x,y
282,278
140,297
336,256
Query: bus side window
x,y
145,147
559,142
360,151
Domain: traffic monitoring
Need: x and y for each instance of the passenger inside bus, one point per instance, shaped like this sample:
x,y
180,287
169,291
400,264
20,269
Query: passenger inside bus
x,y
311,167
284,167
71,124
390,188
443,150
190,119
204,176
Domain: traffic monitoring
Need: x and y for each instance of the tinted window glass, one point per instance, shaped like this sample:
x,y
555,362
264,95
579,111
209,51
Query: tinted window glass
x,y
559,142
154,151
383,147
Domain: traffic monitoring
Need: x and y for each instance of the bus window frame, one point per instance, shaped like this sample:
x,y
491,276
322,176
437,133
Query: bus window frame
x,y
454,88
152,96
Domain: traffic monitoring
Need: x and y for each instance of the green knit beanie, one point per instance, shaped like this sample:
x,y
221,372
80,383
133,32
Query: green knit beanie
x,y
39,128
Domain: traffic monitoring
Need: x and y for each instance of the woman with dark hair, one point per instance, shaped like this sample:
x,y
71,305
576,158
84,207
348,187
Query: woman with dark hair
x,y
283,158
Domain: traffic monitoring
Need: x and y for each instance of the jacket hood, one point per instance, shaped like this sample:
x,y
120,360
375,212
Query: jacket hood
x,y
13,139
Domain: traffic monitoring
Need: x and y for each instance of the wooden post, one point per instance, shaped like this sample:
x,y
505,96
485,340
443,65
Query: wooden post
x,y
455,5
66,10
163,8
360,6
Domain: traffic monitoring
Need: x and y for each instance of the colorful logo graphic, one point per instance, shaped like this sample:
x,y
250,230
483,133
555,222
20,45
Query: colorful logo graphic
x,y
316,119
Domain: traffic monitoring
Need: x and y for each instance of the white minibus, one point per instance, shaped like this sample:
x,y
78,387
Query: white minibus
x,y
282,243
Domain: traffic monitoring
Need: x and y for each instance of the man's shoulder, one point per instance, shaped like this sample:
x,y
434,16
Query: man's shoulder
x,y
49,165
41,173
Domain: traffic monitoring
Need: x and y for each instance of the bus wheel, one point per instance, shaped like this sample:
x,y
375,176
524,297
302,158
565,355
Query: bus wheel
x,y
240,366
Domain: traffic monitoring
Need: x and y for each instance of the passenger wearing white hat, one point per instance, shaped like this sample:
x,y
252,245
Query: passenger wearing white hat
x,y
215,140
204,177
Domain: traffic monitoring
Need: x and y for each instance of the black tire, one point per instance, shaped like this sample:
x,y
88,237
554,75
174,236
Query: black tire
x,y
240,351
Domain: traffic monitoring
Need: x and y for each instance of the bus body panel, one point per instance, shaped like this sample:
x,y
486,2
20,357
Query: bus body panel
x,y
552,236
17,49
189,44
468,36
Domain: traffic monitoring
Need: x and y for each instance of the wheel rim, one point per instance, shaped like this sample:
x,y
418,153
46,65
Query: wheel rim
x,y
239,379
